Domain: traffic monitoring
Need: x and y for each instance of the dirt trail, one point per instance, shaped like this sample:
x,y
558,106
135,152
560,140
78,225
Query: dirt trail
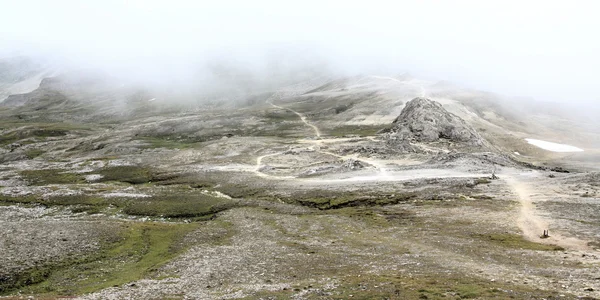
x,y
533,225
259,166
302,117
380,165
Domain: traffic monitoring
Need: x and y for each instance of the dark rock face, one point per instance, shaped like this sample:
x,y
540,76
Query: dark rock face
x,y
14,100
424,120
36,100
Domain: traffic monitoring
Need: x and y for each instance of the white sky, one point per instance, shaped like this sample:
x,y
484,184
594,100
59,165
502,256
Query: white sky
x,y
549,50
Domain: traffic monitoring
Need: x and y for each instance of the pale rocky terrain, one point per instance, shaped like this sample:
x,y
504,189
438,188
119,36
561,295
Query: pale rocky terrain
x,y
370,187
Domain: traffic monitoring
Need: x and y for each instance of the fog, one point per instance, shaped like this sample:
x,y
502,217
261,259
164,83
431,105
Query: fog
x,y
540,49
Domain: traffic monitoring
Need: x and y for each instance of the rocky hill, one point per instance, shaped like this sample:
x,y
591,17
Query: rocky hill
x,y
424,120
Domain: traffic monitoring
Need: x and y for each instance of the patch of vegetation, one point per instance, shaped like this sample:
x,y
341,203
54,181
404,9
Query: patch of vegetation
x,y
377,217
33,153
137,251
49,132
482,180
51,176
359,130
515,241
78,203
128,174
194,206
243,190
10,200
280,116
35,130
440,286
323,199
178,206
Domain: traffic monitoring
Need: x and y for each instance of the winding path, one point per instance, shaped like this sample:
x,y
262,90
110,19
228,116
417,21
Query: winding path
x,y
302,117
533,225
380,166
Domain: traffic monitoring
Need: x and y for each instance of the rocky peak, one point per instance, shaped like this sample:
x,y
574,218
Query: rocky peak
x,y
424,120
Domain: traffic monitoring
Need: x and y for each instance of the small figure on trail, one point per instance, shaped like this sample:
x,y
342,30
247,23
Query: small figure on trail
x,y
494,177
545,234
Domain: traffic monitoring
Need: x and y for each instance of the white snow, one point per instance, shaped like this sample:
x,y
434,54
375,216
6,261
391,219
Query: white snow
x,y
121,194
554,147
93,177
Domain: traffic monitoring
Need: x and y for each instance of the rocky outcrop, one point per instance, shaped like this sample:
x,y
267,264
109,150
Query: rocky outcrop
x,y
424,120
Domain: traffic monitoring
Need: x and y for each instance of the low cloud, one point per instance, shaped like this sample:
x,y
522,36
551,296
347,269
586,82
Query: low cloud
x,y
538,49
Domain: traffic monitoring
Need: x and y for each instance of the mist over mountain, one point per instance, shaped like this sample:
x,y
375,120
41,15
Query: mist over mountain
x,y
308,150
493,46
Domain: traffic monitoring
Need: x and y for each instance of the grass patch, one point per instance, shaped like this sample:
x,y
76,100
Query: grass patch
x,y
137,251
51,176
177,206
515,241
377,217
482,180
36,130
323,199
280,115
242,190
33,153
78,203
10,200
127,174
440,286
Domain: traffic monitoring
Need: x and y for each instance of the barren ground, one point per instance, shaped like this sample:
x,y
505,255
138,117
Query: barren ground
x,y
291,198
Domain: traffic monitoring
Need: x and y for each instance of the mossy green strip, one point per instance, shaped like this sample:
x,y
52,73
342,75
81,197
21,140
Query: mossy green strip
x,y
139,250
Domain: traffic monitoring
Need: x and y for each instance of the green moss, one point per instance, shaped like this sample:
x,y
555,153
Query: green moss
x,y
172,204
409,287
49,132
33,153
280,116
515,241
177,206
26,130
323,199
242,190
137,251
74,200
78,203
51,176
482,180
10,200
128,174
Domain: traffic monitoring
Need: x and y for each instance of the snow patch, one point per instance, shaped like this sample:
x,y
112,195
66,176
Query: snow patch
x,y
130,195
554,147
215,194
93,177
